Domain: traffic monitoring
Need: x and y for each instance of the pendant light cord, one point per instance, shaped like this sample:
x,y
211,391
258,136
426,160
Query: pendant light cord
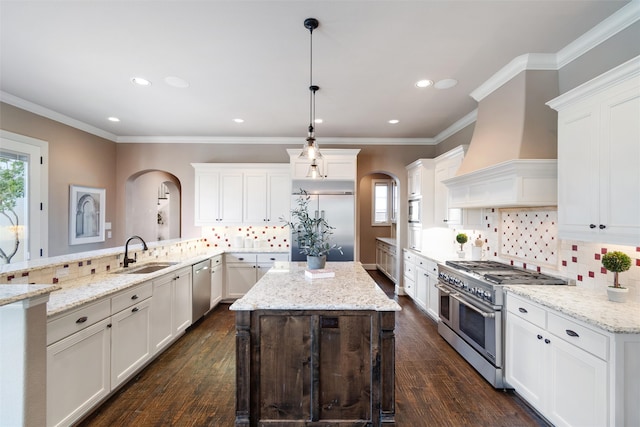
x,y
312,95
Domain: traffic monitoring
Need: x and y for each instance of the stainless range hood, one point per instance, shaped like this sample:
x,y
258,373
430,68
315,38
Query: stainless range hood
x,y
512,156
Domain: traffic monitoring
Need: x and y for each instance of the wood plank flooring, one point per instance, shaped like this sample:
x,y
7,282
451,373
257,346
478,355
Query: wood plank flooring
x,y
193,382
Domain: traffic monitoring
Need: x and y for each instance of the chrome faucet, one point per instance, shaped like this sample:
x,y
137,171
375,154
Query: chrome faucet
x,y
128,260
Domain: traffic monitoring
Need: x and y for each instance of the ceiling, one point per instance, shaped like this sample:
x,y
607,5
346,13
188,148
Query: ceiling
x,y
250,60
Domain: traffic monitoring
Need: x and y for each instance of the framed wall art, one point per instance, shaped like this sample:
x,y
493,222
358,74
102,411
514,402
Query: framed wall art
x,y
86,214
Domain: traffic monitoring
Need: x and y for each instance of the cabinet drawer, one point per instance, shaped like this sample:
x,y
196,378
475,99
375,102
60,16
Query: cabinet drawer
x,y
77,320
578,335
526,310
216,260
240,257
410,271
130,297
272,257
408,256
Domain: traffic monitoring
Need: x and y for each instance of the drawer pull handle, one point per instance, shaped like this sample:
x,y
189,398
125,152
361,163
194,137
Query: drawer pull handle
x,y
547,341
539,336
241,259
134,309
134,297
572,333
272,259
522,310
82,319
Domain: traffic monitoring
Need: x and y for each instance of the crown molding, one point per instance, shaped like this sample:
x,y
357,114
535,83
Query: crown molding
x,y
53,115
271,140
612,25
457,126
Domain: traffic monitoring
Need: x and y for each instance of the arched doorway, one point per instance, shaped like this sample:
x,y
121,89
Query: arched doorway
x,y
153,206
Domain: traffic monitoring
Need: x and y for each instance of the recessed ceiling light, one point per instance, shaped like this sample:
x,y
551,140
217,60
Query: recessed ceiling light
x,y
424,83
394,121
176,82
318,121
140,81
113,119
238,120
445,83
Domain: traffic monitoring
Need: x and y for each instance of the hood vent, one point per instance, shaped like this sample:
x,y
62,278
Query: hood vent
x,y
511,160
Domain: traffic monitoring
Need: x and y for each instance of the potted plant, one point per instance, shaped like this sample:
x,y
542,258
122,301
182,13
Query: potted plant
x,y
617,262
312,233
461,238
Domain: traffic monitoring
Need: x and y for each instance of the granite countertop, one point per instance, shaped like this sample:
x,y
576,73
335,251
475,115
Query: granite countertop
x,y
14,293
388,240
590,306
285,287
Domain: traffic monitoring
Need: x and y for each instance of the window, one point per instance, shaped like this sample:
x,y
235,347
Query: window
x,y
23,190
383,212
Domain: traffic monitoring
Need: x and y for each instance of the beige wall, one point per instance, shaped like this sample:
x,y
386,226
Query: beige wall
x,y
75,157
368,233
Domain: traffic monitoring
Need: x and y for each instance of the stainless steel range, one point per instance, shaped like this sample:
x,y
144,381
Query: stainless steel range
x,y
471,310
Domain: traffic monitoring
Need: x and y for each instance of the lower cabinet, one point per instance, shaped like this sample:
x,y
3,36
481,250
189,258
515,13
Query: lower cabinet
x,y
171,308
559,366
386,260
130,341
217,280
78,369
421,278
243,270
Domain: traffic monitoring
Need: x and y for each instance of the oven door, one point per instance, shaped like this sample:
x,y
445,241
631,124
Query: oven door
x,y
479,325
446,304
414,211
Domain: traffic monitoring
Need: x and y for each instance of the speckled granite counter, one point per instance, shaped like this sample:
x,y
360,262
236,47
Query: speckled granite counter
x,y
590,306
388,240
14,293
285,287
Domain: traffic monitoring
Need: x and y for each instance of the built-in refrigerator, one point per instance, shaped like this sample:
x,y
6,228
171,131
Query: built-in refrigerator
x,y
338,209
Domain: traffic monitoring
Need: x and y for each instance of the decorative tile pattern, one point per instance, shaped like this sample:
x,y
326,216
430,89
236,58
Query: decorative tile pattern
x,y
530,235
239,237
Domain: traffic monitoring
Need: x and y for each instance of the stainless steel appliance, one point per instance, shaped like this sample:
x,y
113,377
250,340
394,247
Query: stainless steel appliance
x,y
336,203
471,310
414,211
201,289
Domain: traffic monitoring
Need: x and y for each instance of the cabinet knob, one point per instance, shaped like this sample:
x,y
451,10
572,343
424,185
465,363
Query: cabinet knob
x,y
539,336
592,226
134,309
135,297
547,341
602,226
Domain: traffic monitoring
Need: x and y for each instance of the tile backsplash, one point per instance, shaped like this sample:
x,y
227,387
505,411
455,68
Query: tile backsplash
x,y
527,237
247,236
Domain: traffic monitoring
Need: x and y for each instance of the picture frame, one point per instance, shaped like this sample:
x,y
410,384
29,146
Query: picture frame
x,y
87,207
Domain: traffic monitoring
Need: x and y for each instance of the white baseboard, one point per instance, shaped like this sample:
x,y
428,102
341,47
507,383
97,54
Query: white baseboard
x,y
369,266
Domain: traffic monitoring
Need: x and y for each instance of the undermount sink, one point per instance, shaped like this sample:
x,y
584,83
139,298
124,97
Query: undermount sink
x,y
148,268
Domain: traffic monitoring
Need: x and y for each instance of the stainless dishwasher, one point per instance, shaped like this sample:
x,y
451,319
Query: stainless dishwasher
x,y
201,291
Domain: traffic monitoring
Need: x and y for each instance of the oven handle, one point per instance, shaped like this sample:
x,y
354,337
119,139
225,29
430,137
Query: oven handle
x,y
443,289
477,310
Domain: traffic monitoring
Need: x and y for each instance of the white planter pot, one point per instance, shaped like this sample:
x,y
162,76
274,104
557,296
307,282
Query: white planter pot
x,y
461,254
617,294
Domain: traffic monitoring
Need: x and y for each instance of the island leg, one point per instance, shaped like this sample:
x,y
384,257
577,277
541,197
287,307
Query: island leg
x,y
243,367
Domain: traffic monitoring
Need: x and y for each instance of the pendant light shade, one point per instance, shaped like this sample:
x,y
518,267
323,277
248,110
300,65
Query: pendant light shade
x,y
310,149
314,171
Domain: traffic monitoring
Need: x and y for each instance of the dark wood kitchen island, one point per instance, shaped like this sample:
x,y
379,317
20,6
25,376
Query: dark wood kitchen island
x,y
315,352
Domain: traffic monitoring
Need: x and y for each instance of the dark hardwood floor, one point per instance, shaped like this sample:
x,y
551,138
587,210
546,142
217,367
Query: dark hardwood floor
x,y
193,382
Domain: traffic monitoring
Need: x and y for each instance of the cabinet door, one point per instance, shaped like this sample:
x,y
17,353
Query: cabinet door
x,y
414,179
207,202
278,197
230,197
577,387
619,165
578,172
300,168
415,237
130,341
255,197
339,168
182,301
525,360
217,282
422,282
440,202
78,373
162,313
433,308
240,278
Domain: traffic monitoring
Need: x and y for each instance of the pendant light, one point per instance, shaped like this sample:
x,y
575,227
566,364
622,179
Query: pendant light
x,y
310,149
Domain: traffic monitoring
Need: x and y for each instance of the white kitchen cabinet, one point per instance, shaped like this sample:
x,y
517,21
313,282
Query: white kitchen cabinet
x,y
217,280
558,365
162,313
266,195
414,180
182,300
422,287
415,237
598,157
335,164
433,308
425,277
243,270
386,260
409,273
130,341
78,370
217,193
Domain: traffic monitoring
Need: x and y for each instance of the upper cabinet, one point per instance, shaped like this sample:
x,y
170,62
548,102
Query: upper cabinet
x,y
598,158
336,164
241,193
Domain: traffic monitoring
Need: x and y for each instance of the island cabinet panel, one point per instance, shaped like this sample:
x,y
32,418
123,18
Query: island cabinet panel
x,y
315,368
